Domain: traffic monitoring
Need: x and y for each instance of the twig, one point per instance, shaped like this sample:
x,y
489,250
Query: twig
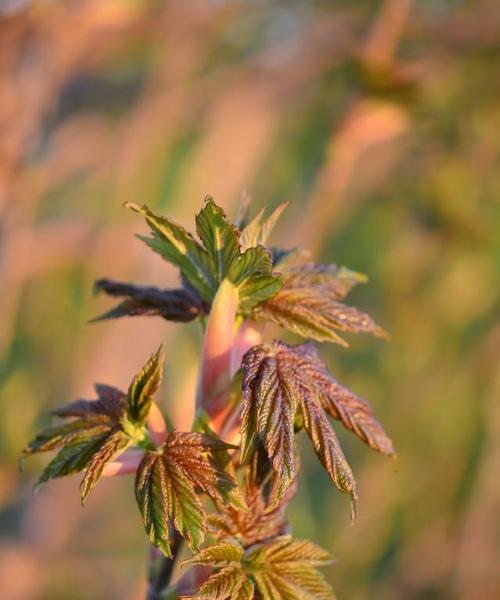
x,y
161,579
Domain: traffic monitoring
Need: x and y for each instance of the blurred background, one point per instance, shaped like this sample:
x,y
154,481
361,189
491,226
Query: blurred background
x,y
380,122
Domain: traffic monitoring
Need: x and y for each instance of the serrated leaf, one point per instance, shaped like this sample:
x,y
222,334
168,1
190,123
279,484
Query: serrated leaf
x,y
98,430
288,551
218,554
281,380
168,483
252,274
180,305
308,304
115,444
327,448
219,238
258,230
179,247
252,524
230,583
282,569
73,457
270,399
143,388
206,265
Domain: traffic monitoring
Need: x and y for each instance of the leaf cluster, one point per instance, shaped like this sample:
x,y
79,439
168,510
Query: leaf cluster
x,y
280,569
279,390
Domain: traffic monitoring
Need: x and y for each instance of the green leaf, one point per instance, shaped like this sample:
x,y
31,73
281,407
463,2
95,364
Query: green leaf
x,y
219,238
180,305
278,381
252,275
143,388
206,265
168,483
308,304
98,430
179,247
73,457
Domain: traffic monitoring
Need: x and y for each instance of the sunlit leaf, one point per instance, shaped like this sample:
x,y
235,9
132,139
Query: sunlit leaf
x,y
179,247
205,265
253,523
113,446
98,431
220,239
168,484
252,274
280,381
308,304
258,230
143,388
279,569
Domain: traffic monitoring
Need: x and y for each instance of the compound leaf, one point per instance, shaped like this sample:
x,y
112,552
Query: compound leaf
x,y
114,445
100,430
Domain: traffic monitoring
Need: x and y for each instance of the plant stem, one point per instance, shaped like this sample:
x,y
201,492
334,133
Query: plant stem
x,y
161,578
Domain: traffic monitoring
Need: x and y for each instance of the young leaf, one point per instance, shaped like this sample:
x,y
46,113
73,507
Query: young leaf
x,y
308,304
230,583
99,430
181,305
252,274
280,381
168,483
257,232
282,569
204,266
270,398
143,388
88,442
179,247
114,445
254,523
219,238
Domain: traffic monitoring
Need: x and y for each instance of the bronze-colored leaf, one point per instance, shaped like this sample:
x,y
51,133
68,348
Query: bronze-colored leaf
x,y
181,305
279,569
281,382
308,304
168,484
95,432
254,523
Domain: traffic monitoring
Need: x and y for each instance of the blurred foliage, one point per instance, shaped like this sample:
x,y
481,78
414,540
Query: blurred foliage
x,y
379,122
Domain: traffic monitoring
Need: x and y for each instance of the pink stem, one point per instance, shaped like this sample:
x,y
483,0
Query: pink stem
x,y
125,464
157,426
215,369
248,336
